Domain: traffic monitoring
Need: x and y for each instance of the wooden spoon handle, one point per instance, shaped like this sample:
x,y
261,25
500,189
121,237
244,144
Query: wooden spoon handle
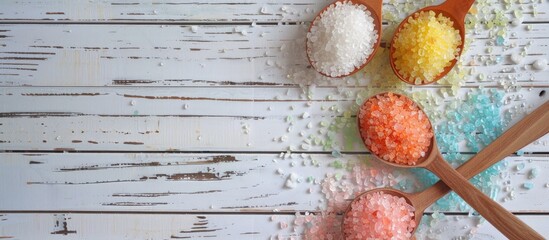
x,y
458,8
534,126
499,217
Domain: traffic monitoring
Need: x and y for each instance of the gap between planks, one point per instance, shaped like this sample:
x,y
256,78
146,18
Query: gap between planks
x,y
179,22
427,213
68,151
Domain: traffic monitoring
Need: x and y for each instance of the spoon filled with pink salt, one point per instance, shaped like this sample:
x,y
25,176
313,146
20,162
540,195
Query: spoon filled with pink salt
x,y
399,133
344,37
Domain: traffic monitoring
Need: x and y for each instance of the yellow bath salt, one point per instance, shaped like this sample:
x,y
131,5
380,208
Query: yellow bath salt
x,y
425,45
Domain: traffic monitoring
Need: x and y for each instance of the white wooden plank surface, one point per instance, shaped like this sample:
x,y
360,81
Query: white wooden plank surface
x,y
133,77
185,119
204,182
196,226
200,10
173,55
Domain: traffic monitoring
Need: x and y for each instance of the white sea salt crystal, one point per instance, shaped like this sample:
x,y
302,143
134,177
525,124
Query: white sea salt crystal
x,y
540,64
290,184
194,29
341,39
516,58
293,176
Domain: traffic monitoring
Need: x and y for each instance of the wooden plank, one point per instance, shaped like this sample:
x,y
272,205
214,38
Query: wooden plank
x,y
220,55
162,182
190,119
196,226
263,11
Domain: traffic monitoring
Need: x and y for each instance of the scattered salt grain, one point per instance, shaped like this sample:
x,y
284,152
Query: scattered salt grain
x,y
528,185
290,184
194,29
533,173
540,64
341,39
516,58
520,166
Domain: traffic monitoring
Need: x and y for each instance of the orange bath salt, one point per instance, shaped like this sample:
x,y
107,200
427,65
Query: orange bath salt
x,y
425,46
395,129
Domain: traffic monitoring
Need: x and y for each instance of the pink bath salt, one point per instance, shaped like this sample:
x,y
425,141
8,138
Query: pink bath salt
x,y
395,129
379,216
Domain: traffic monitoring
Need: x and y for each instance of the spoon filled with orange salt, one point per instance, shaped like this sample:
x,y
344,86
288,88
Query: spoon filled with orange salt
x,y
428,43
398,133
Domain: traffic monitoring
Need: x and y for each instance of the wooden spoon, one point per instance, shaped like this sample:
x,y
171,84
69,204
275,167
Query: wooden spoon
x,y
374,6
532,127
456,10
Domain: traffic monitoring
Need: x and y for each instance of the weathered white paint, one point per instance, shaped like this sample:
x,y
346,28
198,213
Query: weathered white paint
x,y
194,11
203,182
196,226
160,57
173,55
185,119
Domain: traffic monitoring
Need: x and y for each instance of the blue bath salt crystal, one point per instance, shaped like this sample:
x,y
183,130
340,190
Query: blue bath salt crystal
x,y
528,185
533,173
336,153
500,40
481,123
499,59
